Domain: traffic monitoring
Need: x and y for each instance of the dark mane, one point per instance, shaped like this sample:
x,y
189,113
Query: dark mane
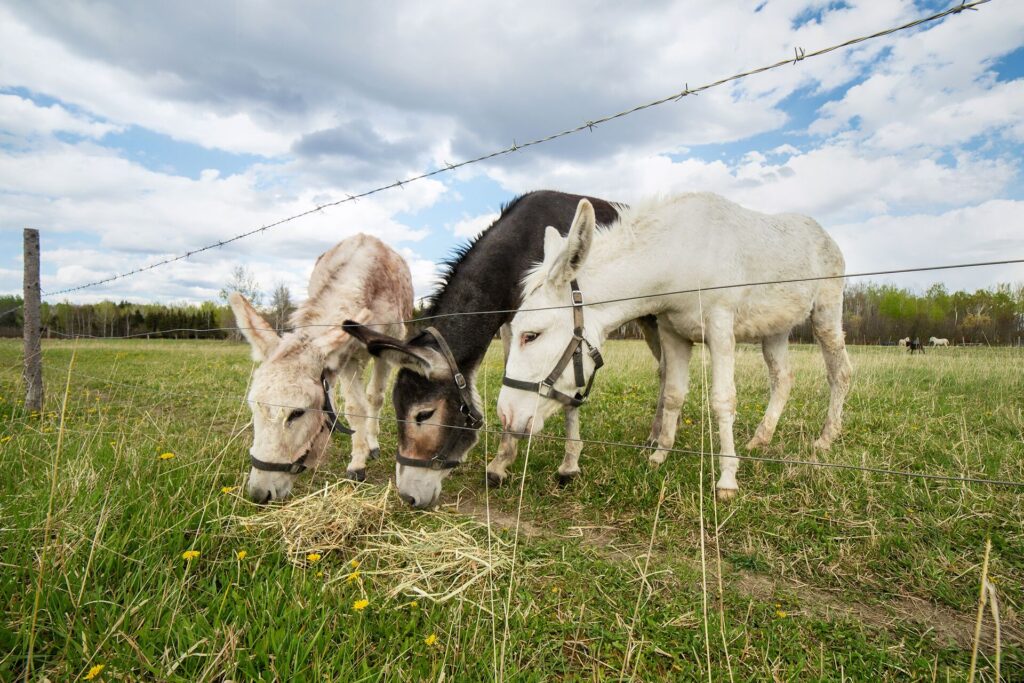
x,y
450,265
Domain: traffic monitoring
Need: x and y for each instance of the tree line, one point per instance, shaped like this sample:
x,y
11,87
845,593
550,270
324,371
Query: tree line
x,y
873,314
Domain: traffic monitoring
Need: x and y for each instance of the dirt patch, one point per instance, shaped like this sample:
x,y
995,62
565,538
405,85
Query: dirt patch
x,y
948,626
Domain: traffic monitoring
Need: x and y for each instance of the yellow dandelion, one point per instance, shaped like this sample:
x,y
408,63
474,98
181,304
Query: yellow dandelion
x,y
780,614
555,589
241,554
360,605
94,672
190,555
430,640
166,456
353,576
312,558
354,563
227,489
414,604
689,421
6,439
319,575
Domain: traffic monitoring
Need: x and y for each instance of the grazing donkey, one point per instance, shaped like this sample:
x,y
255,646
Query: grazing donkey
x,y
438,419
688,242
292,412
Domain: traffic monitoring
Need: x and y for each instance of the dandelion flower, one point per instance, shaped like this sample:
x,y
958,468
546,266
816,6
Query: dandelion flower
x,y
319,575
313,557
227,489
241,554
354,563
353,576
190,555
166,456
360,605
780,614
430,640
414,604
94,672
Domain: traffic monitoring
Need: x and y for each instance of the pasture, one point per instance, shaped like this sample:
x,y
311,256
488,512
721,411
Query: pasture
x,y
631,572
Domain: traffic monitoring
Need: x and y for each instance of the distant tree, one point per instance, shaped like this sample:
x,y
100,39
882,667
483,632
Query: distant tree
x,y
281,306
243,282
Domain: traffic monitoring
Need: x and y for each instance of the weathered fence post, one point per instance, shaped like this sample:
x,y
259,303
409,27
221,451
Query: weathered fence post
x,y
32,326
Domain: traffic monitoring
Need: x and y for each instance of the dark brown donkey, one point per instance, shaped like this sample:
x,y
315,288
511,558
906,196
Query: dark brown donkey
x,y
435,398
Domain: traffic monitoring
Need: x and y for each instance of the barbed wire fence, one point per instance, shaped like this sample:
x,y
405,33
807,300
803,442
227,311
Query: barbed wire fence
x,y
799,55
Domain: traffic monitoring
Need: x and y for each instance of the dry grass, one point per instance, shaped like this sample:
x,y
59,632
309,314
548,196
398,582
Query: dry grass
x,y
439,557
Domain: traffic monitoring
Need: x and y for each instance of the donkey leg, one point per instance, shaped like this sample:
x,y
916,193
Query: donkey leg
x,y
570,466
656,346
827,321
356,408
721,342
675,356
375,396
775,350
497,469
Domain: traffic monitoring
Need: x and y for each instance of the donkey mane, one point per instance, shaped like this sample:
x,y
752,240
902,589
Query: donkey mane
x,y
450,266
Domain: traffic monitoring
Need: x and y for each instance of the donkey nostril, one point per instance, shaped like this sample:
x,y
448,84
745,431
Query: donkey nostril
x,y
268,498
411,500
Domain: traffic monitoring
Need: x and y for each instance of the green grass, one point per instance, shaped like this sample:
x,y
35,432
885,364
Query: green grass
x,y
826,574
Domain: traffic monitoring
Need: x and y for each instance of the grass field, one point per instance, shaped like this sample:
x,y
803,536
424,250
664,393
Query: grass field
x,y
825,574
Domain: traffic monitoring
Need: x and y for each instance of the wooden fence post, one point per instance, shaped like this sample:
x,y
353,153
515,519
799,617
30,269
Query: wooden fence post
x,y
32,326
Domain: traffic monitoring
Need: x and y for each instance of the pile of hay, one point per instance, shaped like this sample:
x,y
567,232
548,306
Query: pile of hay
x,y
437,556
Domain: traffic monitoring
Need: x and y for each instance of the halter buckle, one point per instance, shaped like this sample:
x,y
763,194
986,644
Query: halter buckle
x,y
545,390
577,297
460,381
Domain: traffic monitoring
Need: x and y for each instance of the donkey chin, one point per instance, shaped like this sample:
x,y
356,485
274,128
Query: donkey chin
x,y
524,416
267,486
418,486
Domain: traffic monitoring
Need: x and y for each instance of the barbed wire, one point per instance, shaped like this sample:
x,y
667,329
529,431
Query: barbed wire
x,y
791,461
505,311
799,55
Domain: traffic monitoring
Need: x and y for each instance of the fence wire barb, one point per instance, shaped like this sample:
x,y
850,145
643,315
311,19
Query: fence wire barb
x,y
799,56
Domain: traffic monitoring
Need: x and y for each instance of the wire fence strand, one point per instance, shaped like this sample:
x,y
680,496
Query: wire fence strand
x,y
799,56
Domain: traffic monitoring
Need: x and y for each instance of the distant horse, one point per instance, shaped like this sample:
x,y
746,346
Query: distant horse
x,y
916,346
904,342
936,341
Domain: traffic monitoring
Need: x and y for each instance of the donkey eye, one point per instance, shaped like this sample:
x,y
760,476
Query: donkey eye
x,y
295,415
423,416
530,336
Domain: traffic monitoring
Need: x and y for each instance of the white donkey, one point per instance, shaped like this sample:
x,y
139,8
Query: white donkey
x,y
938,341
684,242
359,278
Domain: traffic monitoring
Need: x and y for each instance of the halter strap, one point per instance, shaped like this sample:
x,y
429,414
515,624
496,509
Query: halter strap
x,y
474,418
573,353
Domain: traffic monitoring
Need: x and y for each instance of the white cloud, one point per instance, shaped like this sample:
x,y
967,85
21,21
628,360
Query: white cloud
x,y
22,117
472,226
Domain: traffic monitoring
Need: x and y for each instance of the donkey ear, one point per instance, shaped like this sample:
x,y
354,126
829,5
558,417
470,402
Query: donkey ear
x,y
330,341
261,336
420,359
577,244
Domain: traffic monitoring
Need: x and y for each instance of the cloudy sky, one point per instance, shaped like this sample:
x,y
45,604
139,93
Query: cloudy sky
x,y
133,131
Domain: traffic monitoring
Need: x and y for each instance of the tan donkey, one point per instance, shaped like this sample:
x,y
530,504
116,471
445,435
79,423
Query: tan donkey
x,y
290,396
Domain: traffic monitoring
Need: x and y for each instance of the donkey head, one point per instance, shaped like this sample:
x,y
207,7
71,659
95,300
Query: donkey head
x,y
286,398
543,327
431,426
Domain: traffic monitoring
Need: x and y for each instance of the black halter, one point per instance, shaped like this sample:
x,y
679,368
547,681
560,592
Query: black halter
x,y
329,422
474,419
574,352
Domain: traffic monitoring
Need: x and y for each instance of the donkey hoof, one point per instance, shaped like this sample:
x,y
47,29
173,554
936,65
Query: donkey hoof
x,y
494,479
566,479
656,458
756,442
373,454
356,475
725,495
